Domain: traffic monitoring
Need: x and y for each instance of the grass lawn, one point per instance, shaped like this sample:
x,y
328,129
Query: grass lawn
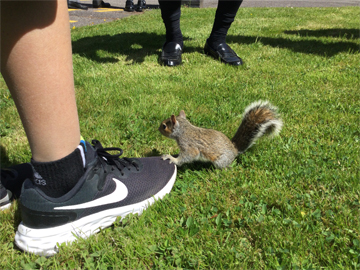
x,y
287,203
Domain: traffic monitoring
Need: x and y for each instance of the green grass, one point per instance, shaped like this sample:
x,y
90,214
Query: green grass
x,y
287,203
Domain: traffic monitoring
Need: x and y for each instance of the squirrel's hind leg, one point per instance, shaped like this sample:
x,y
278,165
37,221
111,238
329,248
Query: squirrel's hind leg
x,y
224,160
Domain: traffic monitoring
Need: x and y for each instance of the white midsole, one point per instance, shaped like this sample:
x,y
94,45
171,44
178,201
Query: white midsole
x,y
6,199
44,241
5,206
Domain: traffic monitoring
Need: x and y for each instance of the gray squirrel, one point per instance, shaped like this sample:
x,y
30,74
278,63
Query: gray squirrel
x,y
196,143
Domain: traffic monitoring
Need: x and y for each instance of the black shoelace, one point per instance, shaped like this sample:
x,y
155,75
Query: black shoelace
x,y
113,159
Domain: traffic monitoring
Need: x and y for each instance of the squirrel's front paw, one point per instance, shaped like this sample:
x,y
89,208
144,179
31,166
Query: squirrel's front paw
x,y
165,157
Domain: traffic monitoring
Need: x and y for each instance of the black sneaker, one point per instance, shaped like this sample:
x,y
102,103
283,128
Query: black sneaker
x,y
111,187
12,179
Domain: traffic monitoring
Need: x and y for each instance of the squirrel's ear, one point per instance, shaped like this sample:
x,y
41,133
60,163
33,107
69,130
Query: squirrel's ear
x,y
173,119
182,114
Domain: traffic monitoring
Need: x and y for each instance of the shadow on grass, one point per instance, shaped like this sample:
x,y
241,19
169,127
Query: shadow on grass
x,y
122,7
153,153
193,166
317,47
336,33
136,46
197,166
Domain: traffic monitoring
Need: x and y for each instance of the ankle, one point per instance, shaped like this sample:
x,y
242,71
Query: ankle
x,y
56,178
214,42
178,41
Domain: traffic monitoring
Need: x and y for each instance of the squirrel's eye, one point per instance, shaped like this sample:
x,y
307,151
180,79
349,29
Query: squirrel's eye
x,y
164,126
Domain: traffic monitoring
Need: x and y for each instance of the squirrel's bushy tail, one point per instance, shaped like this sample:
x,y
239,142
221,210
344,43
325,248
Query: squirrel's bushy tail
x,y
260,118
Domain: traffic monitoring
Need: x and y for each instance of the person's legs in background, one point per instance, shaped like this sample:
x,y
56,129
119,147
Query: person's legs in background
x,y
130,7
224,17
100,3
76,5
172,48
170,13
216,44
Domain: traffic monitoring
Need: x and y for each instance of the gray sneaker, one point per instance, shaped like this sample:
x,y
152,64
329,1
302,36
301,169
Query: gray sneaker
x,y
111,187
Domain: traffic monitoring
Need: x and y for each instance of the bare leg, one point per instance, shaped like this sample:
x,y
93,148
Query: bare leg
x,y
36,63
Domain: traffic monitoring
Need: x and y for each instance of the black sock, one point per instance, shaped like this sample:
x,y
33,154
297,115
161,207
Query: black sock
x,y
224,17
170,13
56,178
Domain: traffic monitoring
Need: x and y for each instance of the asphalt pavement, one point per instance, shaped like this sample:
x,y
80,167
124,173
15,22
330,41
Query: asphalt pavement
x,y
93,16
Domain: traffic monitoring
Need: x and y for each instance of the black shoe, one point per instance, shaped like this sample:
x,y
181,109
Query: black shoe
x,y
12,179
72,4
110,187
129,6
223,53
141,5
102,4
171,54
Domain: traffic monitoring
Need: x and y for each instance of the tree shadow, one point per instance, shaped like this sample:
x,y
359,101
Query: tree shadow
x,y
351,34
136,46
317,47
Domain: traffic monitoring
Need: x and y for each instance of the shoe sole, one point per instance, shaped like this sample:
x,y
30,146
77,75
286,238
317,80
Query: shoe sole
x,y
45,241
6,201
5,206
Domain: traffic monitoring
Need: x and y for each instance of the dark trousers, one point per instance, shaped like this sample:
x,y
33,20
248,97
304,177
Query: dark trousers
x,y
97,3
224,17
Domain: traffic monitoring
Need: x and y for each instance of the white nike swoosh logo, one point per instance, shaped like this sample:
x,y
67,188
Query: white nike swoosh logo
x,y
119,194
